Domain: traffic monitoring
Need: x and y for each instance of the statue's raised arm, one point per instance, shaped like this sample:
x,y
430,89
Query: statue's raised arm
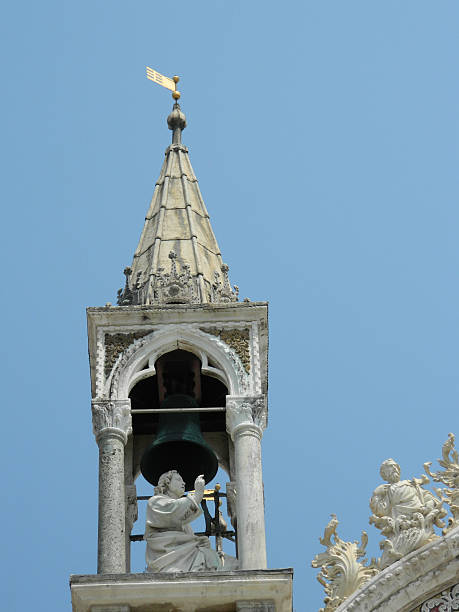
x,y
171,543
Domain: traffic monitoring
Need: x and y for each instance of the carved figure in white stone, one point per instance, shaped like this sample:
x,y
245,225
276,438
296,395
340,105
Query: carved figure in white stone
x,y
404,512
171,543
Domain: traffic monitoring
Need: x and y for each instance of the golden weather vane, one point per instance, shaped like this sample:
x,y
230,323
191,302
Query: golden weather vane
x,y
169,83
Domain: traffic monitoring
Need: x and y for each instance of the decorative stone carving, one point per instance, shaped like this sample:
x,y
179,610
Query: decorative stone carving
x,y
449,477
171,543
173,287
116,343
404,512
446,601
111,416
237,339
341,572
125,296
413,578
221,290
246,411
124,358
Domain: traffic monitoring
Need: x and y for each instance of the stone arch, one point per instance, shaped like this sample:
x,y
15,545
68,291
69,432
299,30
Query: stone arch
x,y
130,367
408,583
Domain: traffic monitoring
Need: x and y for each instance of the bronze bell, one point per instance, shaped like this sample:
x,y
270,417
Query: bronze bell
x,y
179,445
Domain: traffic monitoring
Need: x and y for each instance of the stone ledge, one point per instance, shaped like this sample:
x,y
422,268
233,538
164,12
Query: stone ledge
x,y
183,592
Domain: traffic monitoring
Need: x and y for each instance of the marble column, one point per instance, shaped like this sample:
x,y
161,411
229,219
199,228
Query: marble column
x,y
111,424
245,422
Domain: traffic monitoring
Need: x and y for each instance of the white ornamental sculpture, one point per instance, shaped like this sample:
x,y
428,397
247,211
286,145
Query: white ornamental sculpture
x,y
343,568
405,513
449,477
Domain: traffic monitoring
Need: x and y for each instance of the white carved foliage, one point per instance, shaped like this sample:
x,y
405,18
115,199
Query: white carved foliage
x,y
111,415
246,411
343,570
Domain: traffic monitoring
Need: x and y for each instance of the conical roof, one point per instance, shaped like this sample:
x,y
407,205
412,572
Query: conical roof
x,y
177,259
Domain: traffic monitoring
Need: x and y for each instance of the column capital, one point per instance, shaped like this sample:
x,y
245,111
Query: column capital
x,y
247,414
111,417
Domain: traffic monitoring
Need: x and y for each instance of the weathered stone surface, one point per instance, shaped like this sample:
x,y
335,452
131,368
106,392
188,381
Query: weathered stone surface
x,y
177,222
237,339
110,609
115,344
111,557
256,606
185,592
245,418
149,320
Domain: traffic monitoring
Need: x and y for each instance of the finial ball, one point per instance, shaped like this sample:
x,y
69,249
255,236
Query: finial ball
x,y
176,79
176,95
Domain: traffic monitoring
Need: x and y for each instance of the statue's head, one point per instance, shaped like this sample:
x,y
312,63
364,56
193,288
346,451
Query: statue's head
x,y
171,484
390,471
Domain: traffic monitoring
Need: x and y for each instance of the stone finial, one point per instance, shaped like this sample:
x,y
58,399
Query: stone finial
x,y
176,119
449,477
341,572
125,296
221,289
405,513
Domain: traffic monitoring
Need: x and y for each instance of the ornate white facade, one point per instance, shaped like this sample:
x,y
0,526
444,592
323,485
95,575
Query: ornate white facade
x,y
418,570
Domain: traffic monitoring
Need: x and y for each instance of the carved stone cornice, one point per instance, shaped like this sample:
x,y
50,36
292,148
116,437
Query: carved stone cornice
x,y
111,417
246,414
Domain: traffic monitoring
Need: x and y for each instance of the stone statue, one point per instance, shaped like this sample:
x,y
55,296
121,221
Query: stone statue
x,y
171,543
404,512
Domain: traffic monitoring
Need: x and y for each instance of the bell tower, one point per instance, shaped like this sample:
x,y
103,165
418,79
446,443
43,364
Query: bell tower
x,y
179,386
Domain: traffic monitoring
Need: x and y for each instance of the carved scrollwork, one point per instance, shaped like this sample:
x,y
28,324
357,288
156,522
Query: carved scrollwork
x,y
343,569
449,477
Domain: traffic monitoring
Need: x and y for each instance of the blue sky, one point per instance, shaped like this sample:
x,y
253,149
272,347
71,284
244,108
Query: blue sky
x,y
325,139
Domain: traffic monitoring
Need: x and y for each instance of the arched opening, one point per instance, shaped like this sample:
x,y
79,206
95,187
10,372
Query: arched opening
x,y
179,376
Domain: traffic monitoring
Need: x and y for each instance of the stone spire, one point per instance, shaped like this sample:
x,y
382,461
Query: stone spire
x,y
177,259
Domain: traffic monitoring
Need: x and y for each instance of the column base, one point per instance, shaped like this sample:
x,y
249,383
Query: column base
x,y
236,591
